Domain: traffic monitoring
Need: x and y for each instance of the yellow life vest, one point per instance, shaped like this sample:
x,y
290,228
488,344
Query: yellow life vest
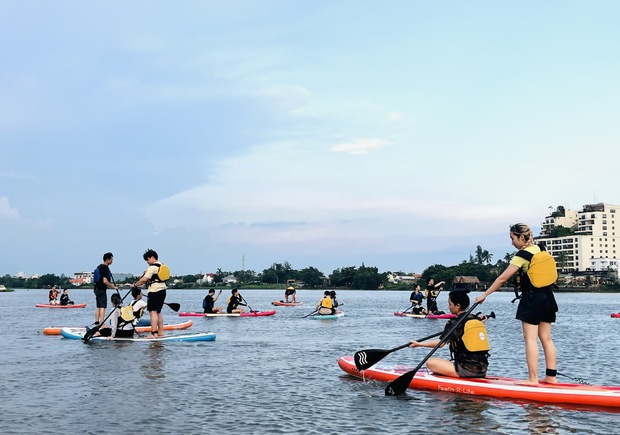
x,y
327,302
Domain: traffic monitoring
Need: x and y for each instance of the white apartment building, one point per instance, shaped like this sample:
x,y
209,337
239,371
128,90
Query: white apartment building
x,y
594,242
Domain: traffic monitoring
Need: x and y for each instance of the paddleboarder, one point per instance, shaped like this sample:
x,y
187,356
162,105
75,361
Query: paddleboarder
x,y
290,291
209,302
103,281
416,299
432,291
156,292
537,307
234,302
469,344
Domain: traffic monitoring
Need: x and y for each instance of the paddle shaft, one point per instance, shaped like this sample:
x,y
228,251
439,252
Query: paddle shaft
x,y
308,315
400,384
246,303
173,305
369,357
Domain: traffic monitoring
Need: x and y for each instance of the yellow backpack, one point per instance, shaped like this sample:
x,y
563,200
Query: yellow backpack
x,y
543,270
475,336
163,274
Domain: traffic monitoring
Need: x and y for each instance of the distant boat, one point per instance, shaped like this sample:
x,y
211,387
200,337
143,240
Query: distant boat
x,y
4,289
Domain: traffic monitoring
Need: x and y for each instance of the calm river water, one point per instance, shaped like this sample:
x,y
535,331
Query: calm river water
x,y
279,374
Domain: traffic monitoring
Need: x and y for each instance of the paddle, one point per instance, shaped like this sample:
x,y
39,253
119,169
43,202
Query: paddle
x,y
173,305
369,357
410,307
399,385
308,315
248,305
91,332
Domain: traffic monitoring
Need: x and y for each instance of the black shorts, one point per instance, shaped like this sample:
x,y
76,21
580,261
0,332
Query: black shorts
x,y
101,297
156,301
124,333
471,369
289,292
537,306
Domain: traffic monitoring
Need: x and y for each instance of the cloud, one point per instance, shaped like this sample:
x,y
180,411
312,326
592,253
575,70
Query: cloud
x,y
362,146
395,116
6,211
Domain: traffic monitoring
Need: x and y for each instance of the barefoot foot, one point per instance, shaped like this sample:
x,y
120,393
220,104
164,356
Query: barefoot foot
x,y
528,383
549,380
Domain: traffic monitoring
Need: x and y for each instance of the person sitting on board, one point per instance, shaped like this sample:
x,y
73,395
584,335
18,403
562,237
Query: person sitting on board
x,y
53,296
209,302
431,293
469,344
416,299
138,304
119,327
326,305
335,302
234,302
64,298
290,291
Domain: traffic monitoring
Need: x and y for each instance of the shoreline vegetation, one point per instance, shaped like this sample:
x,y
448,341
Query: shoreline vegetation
x,y
600,289
475,274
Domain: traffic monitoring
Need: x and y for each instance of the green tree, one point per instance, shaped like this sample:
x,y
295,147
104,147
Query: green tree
x,y
560,231
48,279
367,278
270,276
436,271
245,276
190,278
311,277
342,277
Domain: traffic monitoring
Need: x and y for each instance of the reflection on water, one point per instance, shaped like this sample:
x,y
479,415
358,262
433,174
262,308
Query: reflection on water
x,y
540,420
153,363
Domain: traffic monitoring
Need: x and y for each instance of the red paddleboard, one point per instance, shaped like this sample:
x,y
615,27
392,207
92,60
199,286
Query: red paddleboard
x,y
252,314
492,386
60,306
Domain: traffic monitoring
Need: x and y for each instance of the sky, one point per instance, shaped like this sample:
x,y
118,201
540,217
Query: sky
x,y
236,134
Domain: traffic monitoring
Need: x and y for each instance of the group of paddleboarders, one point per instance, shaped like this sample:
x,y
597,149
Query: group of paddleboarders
x,y
329,304
469,345
430,294
124,318
64,297
154,277
234,305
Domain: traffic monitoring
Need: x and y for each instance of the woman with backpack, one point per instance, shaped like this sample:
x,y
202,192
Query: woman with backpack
x,y
537,305
469,344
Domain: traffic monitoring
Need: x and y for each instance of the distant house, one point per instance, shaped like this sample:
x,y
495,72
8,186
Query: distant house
x,y
395,279
466,283
230,279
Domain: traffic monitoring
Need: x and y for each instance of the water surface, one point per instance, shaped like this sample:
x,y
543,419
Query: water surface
x,y
279,374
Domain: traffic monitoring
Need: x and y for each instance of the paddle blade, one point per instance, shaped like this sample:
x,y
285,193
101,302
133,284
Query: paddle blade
x,y
369,357
399,385
90,333
174,306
